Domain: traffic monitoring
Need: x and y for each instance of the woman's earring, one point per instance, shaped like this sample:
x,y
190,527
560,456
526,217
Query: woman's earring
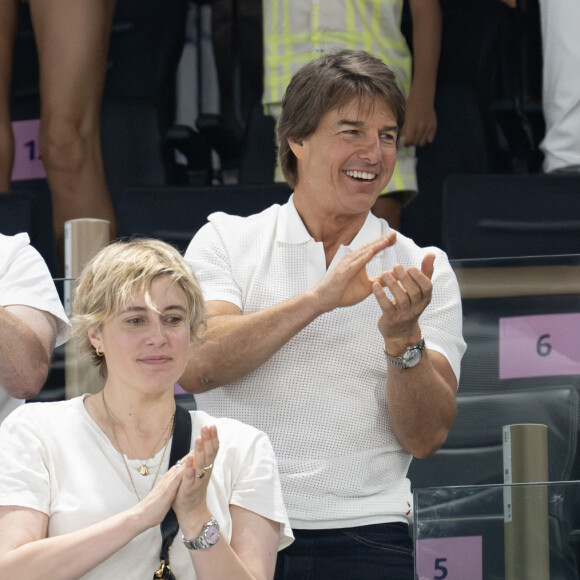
x,y
99,353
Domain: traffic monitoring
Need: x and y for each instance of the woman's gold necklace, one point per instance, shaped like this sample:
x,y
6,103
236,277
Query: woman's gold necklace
x,y
144,469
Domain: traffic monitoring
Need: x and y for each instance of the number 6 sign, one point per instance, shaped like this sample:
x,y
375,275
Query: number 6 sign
x,y
539,346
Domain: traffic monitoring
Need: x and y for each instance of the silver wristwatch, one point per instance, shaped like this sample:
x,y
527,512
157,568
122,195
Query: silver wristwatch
x,y
209,536
409,358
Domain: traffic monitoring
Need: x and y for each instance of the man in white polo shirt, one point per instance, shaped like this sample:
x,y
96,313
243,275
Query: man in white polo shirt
x,y
32,322
348,385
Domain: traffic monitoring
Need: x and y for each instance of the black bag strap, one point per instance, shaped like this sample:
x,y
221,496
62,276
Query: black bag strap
x,y
180,447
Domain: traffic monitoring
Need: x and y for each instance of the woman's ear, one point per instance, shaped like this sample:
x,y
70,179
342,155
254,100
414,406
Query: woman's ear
x,y
95,337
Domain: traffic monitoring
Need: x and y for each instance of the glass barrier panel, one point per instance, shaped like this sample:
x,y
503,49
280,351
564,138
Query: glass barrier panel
x,y
498,532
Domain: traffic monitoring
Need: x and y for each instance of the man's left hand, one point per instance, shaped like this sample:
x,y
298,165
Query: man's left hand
x,y
411,291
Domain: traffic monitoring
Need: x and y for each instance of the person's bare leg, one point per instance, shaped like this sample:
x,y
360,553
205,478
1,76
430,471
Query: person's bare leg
x,y
8,30
72,37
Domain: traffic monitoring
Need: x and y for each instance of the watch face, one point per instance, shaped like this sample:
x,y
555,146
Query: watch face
x,y
212,533
412,357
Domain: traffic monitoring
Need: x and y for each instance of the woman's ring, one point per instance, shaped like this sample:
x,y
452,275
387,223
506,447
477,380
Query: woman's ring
x,y
201,475
178,463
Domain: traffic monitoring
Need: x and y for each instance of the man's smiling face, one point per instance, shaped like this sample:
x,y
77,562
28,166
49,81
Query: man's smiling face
x,y
350,158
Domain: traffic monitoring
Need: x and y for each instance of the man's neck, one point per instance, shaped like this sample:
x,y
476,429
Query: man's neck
x,y
332,229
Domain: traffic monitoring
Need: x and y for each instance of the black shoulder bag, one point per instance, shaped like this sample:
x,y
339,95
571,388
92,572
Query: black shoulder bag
x,y
180,447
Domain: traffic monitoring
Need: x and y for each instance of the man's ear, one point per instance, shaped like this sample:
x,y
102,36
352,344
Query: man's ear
x,y
297,148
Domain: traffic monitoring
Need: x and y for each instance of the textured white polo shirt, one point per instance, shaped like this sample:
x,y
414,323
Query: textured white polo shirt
x,y
322,397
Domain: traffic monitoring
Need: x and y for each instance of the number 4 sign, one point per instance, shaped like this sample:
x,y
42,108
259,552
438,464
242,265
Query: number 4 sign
x,y
539,346
457,558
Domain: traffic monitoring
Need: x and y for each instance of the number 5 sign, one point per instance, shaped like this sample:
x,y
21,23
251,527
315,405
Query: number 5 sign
x,y
449,558
539,346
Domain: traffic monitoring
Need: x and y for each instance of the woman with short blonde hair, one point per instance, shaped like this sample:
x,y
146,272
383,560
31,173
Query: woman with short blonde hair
x,y
86,483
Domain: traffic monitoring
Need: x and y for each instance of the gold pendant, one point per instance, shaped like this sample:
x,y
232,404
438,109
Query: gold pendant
x,y
144,470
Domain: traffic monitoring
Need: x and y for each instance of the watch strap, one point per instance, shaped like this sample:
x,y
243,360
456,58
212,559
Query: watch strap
x,y
201,543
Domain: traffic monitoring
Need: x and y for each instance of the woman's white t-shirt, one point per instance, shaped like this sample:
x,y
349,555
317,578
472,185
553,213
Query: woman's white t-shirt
x,y
55,459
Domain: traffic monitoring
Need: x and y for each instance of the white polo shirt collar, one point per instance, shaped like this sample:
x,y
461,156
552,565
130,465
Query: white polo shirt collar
x,y
290,229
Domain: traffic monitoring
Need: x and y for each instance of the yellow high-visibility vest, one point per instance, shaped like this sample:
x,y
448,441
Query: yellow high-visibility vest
x,y
298,31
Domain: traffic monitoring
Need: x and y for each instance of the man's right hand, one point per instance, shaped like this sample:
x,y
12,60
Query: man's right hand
x,y
348,283
235,343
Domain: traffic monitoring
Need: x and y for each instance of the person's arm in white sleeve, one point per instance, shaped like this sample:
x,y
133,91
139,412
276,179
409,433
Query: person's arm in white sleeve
x,y
234,344
27,552
27,339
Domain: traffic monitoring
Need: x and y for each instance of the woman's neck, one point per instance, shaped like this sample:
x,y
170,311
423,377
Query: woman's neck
x,y
139,427
140,411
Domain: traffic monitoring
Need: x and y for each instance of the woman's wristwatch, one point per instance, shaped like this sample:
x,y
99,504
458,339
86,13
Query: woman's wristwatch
x,y
209,536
